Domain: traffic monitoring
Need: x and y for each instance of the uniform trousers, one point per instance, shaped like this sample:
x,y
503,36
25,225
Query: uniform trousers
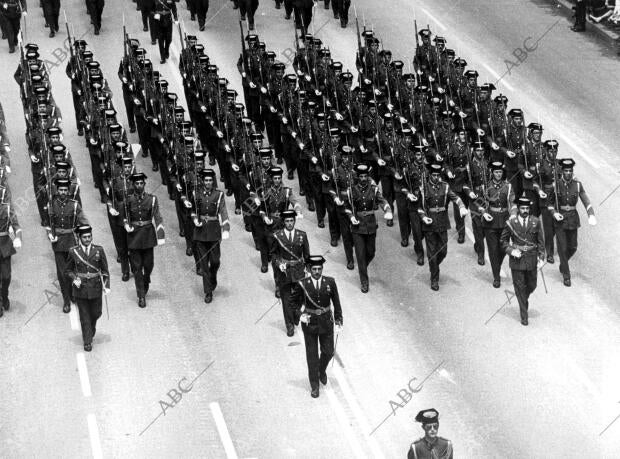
x,y
11,28
89,310
5,277
202,8
364,252
409,222
142,262
524,282
51,10
436,251
208,253
567,246
119,235
63,280
496,254
345,229
317,364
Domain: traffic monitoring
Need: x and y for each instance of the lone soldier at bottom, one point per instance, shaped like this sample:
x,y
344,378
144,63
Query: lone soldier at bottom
x,y
314,298
430,446
87,267
523,240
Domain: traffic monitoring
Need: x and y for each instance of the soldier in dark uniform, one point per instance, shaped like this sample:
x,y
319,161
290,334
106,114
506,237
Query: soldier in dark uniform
x,y
430,446
522,239
165,13
11,12
211,225
343,180
563,205
87,268
434,212
96,10
497,206
60,221
248,7
51,10
303,15
10,239
364,200
202,8
141,209
289,252
147,10
318,305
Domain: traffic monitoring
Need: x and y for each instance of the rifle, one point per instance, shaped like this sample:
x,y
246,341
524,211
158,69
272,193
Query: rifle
x,y
48,179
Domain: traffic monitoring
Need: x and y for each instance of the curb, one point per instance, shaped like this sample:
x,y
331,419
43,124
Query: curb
x,y
610,37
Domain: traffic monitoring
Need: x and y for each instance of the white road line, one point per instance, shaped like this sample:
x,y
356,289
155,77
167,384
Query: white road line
x,y
83,371
578,150
73,318
223,430
441,26
344,422
93,432
501,79
357,411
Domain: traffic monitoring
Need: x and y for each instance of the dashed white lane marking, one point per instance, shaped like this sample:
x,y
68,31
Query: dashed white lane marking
x,y
344,422
229,448
496,75
82,370
357,411
441,26
73,318
93,432
576,149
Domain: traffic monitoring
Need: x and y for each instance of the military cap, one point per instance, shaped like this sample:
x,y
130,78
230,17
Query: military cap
x,y
409,77
62,183
265,152
120,145
430,416
496,166
425,33
279,66
262,45
87,54
460,62
223,82
31,47
302,94
439,40
134,43
347,77
163,83
567,163
288,214
207,173
421,88
84,229
178,110
32,55
471,74
185,125
140,52
478,145
109,112
346,150
275,171
191,38
372,103
115,127
450,52
312,104
387,116
41,91
148,65
325,52
53,131
126,161
251,38
239,107
202,57
270,55
435,168
59,149
368,33
188,141
320,116
523,201
398,64
62,165
535,127
501,99
247,121
515,113
487,87
290,78
79,43
334,131
137,176
551,144
317,42
362,169
445,115
316,260
257,137
212,68
231,93
93,65
406,132
336,65
199,155
171,97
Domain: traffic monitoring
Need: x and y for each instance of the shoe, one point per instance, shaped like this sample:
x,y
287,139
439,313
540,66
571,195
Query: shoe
x,y
550,259
278,6
435,286
11,49
323,379
125,277
334,242
277,292
145,29
314,393
311,207
287,17
46,25
578,29
145,153
290,175
66,308
251,26
390,223
193,17
162,61
279,161
199,272
524,322
481,260
302,192
243,17
80,132
202,28
343,25
1,312
497,283
567,282
96,31
248,227
88,347
461,239
420,260
404,242
153,42
350,265
155,167
290,330
189,252
229,192
264,269
321,224
336,16
132,130
52,33
142,302
182,233
6,304
118,258
208,297
364,288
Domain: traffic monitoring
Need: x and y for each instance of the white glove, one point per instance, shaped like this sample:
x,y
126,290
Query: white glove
x,y
179,188
339,117
451,103
354,221
472,195
227,148
302,145
318,93
282,267
591,220
462,114
93,141
419,72
397,176
124,80
390,107
267,220
197,222
542,194
377,92
77,282
488,217
220,135
252,85
314,160
235,168
113,212
203,109
156,16
272,109
388,216
439,158
367,81
425,142
480,132
558,216
257,201
431,79
225,235
441,91
308,79
294,135
300,216
34,159
338,328
363,149
187,204
284,120
243,74
263,90
450,175
511,154
161,241
463,211
528,175
494,146
325,177
354,129
540,263
79,92
427,220
106,291
52,238
128,228
412,197
24,13
403,120
300,73
516,253
17,243
381,162
304,318
338,201
212,123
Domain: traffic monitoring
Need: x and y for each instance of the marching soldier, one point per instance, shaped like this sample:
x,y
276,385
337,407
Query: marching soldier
x,y
364,200
96,10
51,10
11,12
165,13
430,446
290,251
10,239
318,305
87,267
567,191
138,215
62,216
211,225
522,239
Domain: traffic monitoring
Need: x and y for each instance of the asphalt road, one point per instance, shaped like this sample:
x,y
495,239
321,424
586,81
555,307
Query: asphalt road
x,y
185,379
